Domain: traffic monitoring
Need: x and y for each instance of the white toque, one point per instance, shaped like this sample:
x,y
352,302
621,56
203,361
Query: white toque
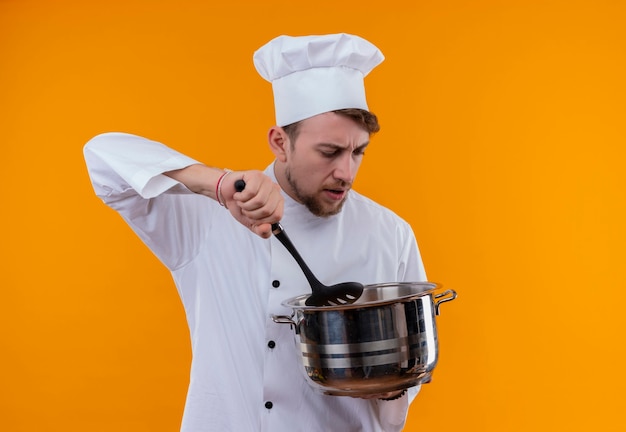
x,y
311,75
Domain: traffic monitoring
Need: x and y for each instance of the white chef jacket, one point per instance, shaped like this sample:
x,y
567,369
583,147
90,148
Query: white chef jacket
x,y
231,281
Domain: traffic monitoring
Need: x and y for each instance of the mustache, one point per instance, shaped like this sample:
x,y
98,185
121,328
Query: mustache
x,y
341,185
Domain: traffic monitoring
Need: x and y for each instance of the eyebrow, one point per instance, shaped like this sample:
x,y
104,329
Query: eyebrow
x,y
340,147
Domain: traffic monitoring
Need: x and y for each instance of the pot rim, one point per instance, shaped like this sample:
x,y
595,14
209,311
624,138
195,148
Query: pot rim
x,y
298,302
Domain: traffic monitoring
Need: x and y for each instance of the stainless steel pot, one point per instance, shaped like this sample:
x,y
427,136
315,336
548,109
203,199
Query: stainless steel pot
x,y
386,341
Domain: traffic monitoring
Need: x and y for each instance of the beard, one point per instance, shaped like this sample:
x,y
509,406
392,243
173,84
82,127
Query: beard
x,y
311,202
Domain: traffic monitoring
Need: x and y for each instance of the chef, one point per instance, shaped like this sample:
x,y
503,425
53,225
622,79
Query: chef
x,y
232,274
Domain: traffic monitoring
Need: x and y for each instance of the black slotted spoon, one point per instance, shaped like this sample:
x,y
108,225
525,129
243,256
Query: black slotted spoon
x,y
321,295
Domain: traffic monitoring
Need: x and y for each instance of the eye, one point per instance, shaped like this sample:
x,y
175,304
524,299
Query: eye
x,y
329,154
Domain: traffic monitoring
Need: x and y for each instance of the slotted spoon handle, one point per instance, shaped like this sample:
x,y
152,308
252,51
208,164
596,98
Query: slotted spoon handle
x,y
282,237
321,295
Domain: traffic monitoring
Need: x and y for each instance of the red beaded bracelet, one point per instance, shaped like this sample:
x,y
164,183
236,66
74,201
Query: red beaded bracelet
x,y
218,189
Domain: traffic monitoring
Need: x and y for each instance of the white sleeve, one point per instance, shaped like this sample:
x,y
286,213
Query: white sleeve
x,y
392,414
126,172
411,268
130,160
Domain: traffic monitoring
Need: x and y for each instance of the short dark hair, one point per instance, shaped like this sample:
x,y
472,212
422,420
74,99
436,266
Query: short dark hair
x,y
367,119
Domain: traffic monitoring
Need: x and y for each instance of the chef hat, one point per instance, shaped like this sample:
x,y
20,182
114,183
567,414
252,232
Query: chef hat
x,y
311,75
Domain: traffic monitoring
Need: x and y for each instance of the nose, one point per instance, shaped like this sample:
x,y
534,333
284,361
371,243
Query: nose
x,y
345,168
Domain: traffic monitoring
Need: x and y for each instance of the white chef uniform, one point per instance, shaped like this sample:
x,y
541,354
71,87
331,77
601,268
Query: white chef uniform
x,y
230,282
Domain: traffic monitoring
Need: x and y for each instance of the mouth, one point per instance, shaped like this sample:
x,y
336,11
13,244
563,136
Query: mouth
x,y
336,194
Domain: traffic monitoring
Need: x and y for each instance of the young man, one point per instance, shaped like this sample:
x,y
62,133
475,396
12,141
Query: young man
x,y
232,275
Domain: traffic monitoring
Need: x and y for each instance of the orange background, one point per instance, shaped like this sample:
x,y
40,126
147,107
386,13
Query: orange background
x,y
502,144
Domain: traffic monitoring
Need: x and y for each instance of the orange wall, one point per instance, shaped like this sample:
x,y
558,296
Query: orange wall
x,y
502,144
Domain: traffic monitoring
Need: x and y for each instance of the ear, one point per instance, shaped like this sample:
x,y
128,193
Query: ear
x,y
279,142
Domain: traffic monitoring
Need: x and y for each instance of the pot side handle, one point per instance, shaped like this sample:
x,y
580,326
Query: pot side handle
x,y
443,297
283,319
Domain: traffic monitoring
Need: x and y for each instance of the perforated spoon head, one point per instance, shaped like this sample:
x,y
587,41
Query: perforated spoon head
x,y
335,295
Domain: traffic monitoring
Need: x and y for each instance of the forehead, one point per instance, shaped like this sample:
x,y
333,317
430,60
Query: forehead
x,y
332,128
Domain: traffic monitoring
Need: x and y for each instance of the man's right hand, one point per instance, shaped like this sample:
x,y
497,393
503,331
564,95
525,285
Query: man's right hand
x,y
258,206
